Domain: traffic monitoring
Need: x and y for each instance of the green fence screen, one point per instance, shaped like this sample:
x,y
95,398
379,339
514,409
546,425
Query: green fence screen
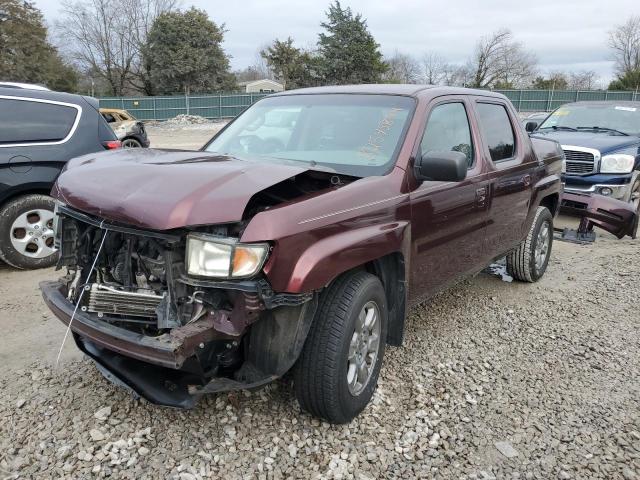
x,y
228,105
213,106
548,100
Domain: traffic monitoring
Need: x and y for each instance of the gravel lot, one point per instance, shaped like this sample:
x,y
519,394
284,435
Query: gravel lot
x,y
496,380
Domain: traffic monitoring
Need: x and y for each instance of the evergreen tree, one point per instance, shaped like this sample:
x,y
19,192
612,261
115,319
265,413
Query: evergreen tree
x,y
348,52
27,56
184,53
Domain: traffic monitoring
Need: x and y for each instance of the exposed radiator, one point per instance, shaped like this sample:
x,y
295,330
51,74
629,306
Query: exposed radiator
x,y
105,300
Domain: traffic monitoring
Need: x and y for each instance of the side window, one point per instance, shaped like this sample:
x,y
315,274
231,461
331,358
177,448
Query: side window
x,y
24,121
448,129
497,131
109,117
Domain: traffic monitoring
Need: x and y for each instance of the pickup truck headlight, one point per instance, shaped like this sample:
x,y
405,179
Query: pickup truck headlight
x,y
617,163
209,256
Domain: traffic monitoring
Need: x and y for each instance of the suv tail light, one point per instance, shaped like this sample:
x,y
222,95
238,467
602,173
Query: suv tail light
x,y
112,144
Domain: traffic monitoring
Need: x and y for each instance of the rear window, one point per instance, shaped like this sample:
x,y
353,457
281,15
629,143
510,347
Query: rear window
x,y
25,121
497,131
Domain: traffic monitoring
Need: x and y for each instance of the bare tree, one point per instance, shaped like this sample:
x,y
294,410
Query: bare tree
x,y
402,68
500,60
258,70
107,37
583,80
143,13
435,70
624,40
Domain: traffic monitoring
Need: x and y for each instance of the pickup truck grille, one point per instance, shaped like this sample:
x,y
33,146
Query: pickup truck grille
x,y
579,163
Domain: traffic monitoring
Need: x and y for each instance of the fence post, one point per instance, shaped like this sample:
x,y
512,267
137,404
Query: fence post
x,y
606,94
122,102
219,106
577,95
520,101
155,112
186,101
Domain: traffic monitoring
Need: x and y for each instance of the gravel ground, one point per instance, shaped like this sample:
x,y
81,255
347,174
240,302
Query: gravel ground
x,y
182,135
495,380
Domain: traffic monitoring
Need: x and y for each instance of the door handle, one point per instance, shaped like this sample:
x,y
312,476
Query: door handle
x,y
526,180
481,196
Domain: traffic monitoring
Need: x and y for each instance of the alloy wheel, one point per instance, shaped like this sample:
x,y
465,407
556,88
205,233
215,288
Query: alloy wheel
x,y
131,143
363,348
542,245
31,234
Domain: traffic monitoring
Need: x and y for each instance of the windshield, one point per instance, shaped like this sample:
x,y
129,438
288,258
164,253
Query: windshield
x,y
611,118
357,135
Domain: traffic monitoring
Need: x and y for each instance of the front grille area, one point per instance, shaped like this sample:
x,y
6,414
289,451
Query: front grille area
x,y
105,300
579,163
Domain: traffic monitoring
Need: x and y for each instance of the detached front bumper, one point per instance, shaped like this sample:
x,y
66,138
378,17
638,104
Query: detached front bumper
x,y
615,216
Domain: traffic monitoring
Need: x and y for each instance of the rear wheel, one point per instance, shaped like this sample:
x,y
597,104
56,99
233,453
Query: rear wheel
x,y
131,143
338,369
529,261
26,232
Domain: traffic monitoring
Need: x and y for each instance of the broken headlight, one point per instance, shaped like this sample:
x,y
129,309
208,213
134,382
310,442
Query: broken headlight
x,y
209,256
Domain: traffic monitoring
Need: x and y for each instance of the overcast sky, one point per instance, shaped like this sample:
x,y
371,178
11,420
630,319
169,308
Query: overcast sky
x,y
564,34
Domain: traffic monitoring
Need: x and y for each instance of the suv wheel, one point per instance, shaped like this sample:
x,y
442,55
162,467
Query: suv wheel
x,y
529,261
26,232
338,368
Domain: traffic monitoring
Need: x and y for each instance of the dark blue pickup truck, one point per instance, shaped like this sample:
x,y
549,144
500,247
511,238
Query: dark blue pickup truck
x,y
601,142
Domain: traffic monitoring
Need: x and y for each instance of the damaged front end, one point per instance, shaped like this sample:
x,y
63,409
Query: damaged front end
x,y
154,327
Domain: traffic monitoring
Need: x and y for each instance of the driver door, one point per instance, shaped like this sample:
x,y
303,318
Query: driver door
x,y
449,218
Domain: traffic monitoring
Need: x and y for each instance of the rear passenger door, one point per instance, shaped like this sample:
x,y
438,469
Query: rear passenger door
x,y
510,181
34,141
448,218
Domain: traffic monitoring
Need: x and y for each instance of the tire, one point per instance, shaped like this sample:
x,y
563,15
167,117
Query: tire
x,y
131,143
634,199
634,193
26,232
327,359
528,262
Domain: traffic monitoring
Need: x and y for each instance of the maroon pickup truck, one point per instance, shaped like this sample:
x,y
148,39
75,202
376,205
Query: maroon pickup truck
x,y
296,239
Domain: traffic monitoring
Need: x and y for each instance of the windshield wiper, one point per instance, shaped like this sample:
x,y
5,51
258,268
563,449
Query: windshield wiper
x,y
556,127
604,129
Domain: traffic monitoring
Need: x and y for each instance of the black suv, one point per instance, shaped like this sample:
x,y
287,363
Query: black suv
x,y
40,131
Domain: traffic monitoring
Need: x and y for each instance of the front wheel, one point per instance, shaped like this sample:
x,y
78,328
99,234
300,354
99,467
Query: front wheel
x,y
26,232
529,261
338,368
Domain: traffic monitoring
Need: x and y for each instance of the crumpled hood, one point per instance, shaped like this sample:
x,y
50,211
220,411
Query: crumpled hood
x,y
602,142
165,189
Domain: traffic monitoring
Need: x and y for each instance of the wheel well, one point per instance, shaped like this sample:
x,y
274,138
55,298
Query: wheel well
x,y
390,269
22,193
551,202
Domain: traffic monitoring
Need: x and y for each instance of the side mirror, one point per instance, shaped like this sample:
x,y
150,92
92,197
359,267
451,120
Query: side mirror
x,y
531,126
442,166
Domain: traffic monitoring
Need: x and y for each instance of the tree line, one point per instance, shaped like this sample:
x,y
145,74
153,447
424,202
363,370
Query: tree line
x,y
154,47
